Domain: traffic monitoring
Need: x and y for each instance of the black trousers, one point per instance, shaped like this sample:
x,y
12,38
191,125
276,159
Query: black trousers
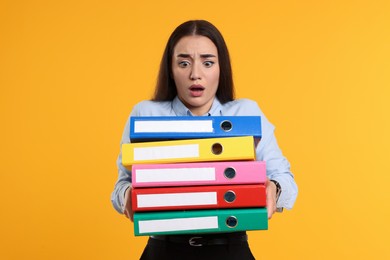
x,y
167,250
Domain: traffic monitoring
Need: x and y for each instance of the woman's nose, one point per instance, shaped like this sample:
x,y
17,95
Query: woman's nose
x,y
195,73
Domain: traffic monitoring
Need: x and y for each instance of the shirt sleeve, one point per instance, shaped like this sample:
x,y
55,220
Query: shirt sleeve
x,y
278,167
124,175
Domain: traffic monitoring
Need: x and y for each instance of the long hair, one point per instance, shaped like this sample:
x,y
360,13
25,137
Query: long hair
x,y
166,87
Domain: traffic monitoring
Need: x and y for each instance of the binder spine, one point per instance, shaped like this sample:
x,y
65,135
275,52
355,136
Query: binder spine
x,y
201,197
143,129
199,221
194,150
194,174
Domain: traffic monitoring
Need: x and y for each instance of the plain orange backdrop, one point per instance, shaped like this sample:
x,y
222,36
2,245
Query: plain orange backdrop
x,y
71,71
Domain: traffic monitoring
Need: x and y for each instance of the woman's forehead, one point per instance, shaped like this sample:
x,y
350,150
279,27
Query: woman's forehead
x,y
195,44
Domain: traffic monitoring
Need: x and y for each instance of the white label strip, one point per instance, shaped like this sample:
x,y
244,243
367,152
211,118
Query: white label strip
x,y
174,126
175,175
178,224
166,152
176,199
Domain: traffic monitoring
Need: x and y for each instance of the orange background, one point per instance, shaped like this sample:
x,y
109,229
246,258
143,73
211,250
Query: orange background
x,y
71,71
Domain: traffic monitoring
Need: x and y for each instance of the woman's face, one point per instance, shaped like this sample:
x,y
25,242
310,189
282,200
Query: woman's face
x,y
195,70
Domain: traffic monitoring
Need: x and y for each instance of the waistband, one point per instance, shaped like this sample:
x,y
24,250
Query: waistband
x,y
205,239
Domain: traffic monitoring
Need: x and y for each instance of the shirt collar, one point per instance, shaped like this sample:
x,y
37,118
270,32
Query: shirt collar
x,y
181,110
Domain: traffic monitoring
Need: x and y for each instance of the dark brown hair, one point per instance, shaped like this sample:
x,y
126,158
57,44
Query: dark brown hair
x,y
166,87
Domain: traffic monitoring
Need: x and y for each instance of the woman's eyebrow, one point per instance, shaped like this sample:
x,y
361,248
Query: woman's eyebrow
x,y
208,56
183,55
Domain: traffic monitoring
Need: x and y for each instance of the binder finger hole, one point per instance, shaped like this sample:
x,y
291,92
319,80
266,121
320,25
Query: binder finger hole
x,y
231,222
217,149
230,173
226,126
229,196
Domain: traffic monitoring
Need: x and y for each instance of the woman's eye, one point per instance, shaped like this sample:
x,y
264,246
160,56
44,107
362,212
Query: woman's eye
x,y
184,64
208,63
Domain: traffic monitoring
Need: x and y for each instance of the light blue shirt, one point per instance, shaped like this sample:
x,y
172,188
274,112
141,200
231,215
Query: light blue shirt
x,y
278,168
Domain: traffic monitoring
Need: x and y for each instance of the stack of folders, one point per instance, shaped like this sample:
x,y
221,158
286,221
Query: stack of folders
x,y
196,175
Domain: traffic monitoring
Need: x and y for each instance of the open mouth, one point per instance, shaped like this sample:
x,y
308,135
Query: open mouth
x,y
196,90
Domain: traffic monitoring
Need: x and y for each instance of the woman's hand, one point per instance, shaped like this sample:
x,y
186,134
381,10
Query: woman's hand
x,y
270,189
127,208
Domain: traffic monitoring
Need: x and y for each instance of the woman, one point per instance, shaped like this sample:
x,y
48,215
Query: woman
x,y
195,79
